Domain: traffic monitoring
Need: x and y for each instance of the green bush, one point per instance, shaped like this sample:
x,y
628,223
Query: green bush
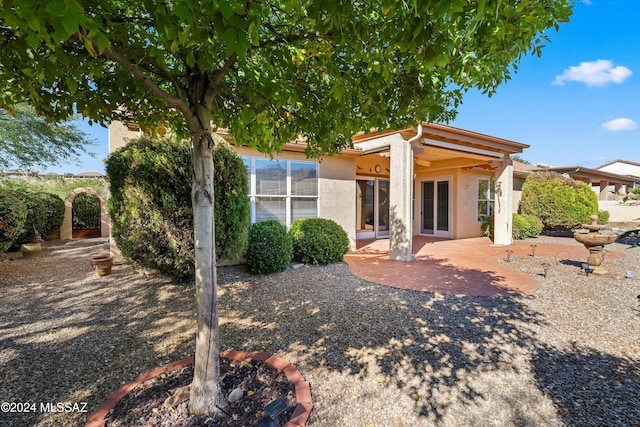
x,y
86,211
151,210
54,213
269,247
36,220
525,226
318,241
560,203
13,215
603,217
522,226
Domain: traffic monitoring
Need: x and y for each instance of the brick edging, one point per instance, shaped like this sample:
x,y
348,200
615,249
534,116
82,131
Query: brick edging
x,y
300,414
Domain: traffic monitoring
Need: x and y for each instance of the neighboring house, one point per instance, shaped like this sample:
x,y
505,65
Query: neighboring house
x,y
621,167
432,180
611,187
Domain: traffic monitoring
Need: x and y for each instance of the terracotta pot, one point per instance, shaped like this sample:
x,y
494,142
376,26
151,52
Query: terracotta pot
x,y
102,265
31,250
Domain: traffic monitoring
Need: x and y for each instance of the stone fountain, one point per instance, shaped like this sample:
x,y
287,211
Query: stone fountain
x,y
595,237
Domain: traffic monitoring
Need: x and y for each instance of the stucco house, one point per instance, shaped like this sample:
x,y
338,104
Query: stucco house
x,y
431,179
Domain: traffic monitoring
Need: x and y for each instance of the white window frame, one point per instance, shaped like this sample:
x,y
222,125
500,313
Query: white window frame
x,y
254,195
487,198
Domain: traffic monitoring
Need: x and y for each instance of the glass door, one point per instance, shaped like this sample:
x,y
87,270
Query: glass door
x,y
383,208
365,218
436,208
372,208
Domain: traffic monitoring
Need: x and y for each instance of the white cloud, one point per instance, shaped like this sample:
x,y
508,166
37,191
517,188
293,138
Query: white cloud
x,y
621,124
596,73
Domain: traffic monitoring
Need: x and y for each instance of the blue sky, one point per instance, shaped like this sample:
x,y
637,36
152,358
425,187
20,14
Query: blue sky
x,y
578,104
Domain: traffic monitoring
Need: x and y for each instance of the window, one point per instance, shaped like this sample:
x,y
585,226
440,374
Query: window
x,y
486,196
284,190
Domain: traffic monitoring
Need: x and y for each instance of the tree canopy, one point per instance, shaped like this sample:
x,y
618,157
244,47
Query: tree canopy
x,y
28,140
271,70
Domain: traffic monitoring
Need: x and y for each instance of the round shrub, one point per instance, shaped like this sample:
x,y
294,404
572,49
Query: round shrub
x,y
560,203
269,248
318,241
525,226
54,211
150,205
13,214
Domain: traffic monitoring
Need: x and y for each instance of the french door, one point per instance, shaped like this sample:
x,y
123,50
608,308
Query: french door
x,y
435,215
372,208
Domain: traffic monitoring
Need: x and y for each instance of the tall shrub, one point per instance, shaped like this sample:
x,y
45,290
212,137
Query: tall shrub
x,y
561,203
13,214
150,204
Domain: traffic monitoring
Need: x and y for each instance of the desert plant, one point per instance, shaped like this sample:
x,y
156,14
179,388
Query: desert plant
x,y
269,247
13,215
318,241
152,218
561,203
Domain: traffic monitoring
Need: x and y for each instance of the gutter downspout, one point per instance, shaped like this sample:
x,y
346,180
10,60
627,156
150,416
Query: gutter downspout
x,y
417,137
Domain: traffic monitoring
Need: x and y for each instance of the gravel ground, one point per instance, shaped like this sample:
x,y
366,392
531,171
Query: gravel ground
x,y
568,354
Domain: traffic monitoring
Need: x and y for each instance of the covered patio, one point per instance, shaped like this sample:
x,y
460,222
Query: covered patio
x,y
464,267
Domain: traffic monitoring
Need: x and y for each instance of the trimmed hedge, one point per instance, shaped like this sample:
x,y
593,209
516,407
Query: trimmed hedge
x,y
270,248
13,215
560,203
318,241
151,210
36,221
54,211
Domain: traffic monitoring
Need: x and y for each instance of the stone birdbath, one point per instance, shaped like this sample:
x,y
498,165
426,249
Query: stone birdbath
x,y
595,237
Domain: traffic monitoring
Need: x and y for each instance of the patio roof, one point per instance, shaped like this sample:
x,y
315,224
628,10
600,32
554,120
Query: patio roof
x,y
594,176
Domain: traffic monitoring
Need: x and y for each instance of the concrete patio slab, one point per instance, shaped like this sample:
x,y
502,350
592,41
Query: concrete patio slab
x,y
458,267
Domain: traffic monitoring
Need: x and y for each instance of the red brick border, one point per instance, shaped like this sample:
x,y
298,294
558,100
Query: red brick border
x,y
299,417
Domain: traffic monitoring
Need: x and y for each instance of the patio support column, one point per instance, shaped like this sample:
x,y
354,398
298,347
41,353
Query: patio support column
x,y
604,193
401,187
503,206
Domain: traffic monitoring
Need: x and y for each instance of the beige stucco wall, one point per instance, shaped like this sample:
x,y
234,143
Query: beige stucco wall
x,y
336,187
120,135
620,212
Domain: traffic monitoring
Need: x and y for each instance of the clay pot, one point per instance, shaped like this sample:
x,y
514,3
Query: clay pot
x,y
102,265
31,250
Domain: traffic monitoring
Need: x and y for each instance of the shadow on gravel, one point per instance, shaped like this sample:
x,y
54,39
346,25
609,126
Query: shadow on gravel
x,y
69,336
431,347
589,387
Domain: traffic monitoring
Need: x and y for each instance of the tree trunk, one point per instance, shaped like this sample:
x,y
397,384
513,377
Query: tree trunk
x,y
206,390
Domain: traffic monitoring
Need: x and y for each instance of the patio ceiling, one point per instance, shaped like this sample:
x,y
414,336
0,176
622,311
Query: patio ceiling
x,y
442,147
